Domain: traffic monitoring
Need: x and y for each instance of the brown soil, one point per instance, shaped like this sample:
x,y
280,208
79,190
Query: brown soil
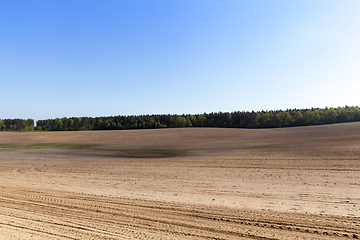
x,y
192,183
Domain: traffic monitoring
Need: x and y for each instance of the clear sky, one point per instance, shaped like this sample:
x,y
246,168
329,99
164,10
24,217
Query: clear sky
x,y
64,58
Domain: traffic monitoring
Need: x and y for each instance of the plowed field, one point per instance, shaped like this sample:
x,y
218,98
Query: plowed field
x,y
191,183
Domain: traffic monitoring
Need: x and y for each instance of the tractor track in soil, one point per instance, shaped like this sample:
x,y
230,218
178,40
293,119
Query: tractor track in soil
x,y
67,215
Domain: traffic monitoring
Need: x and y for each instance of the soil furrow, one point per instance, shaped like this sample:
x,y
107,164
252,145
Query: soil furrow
x,y
79,214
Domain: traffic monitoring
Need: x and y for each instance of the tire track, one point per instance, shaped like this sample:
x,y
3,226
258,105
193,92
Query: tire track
x,y
68,215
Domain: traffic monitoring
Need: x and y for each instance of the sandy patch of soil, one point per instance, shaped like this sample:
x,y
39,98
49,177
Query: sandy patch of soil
x,y
192,183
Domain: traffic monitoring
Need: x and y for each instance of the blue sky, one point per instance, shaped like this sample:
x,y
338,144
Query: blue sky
x,y
131,57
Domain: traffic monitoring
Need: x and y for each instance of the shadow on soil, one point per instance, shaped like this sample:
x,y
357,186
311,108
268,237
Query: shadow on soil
x,y
101,151
132,153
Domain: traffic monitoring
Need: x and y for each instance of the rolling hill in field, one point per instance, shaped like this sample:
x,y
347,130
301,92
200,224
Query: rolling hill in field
x,y
183,183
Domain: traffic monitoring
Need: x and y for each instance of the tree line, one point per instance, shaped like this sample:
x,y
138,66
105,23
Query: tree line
x,y
239,119
16,124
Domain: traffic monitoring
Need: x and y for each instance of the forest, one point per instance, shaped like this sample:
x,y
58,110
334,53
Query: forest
x,y
239,119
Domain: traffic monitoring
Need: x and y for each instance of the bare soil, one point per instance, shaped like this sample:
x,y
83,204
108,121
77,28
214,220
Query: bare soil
x,y
190,183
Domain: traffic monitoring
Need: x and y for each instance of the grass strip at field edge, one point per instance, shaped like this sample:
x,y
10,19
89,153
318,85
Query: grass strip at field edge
x,y
38,147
